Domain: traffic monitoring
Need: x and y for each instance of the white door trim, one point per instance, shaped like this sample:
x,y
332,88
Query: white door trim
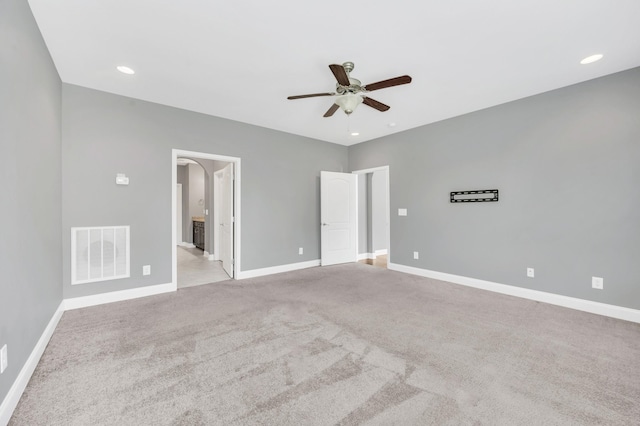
x,y
376,169
216,214
175,153
225,215
179,222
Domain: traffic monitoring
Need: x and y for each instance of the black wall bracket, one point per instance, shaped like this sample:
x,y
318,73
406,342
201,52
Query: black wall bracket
x,y
477,196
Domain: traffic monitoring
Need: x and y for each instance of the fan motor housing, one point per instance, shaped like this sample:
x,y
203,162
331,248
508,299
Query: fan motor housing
x,y
354,87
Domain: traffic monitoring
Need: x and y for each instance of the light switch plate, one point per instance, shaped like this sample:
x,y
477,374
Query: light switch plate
x,y
121,179
402,212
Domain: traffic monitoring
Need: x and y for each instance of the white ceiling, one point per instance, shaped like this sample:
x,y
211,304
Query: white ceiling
x,y
240,60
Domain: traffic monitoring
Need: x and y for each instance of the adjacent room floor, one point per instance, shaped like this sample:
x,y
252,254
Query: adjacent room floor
x,y
195,269
379,261
346,344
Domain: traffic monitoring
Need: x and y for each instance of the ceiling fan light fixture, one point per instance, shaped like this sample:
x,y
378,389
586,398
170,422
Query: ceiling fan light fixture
x,y
348,102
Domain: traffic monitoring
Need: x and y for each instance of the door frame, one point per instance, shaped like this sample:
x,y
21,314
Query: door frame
x,y
178,202
388,194
216,214
175,153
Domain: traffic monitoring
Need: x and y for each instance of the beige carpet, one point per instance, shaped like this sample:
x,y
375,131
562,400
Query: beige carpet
x,y
349,344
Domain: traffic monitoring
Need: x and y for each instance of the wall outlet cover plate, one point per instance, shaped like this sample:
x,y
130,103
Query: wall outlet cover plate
x,y
597,282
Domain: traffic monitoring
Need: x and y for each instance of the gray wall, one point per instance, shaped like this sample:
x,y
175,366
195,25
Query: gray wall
x,y
372,212
379,211
196,193
363,213
104,134
566,164
209,167
30,260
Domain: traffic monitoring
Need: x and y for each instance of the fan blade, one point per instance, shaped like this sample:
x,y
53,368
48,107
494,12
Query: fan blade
x,y
405,79
375,104
331,110
310,96
340,74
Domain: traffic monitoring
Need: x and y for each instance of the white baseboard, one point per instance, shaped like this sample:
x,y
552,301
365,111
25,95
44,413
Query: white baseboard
x,y
208,255
362,256
612,311
372,256
277,269
187,245
15,392
117,296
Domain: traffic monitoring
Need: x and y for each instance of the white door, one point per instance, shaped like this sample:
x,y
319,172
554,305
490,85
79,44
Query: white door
x,y
217,178
338,201
179,213
226,219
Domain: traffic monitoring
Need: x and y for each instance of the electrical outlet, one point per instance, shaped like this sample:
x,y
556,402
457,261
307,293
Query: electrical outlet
x,y
146,270
597,282
416,255
300,250
3,359
530,272
402,212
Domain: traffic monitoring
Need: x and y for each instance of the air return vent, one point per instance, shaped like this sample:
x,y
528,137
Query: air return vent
x,y
99,254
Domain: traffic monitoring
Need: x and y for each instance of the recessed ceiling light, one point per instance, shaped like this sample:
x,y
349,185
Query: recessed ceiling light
x,y
592,58
125,70
392,124
355,134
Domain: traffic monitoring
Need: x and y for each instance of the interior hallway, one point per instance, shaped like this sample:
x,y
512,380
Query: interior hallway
x,y
195,269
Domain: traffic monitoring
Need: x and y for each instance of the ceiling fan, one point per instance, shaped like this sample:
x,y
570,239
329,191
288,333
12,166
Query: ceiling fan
x,y
350,92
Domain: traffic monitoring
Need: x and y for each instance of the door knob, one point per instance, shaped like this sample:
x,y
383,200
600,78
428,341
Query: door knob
x,y
325,224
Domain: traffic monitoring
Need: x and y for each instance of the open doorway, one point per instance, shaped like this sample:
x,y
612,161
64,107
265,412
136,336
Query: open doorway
x,y
373,216
205,244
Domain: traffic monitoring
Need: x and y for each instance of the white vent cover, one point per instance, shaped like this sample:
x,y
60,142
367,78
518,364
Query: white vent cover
x,y
99,254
